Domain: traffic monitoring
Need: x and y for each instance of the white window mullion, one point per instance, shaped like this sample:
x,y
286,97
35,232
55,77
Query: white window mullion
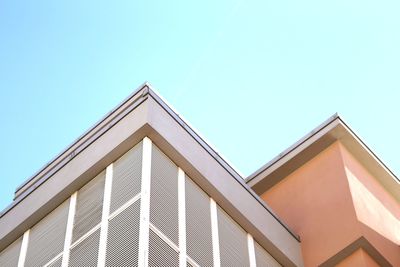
x,y
24,248
83,237
70,226
182,218
124,207
164,238
145,204
104,217
214,231
252,254
56,258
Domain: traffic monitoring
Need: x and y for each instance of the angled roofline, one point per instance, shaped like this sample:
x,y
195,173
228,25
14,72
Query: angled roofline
x,y
332,130
81,139
359,243
219,159
293,147
85,139
142,114
144,89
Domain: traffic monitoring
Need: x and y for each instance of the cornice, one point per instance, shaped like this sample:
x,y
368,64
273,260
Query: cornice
x,y
332,130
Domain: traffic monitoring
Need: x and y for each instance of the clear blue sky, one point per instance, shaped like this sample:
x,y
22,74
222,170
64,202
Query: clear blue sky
x,y
252,76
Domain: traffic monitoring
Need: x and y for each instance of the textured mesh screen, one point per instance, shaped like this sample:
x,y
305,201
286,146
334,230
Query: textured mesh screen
x,y
56,263
232,241
85,253
198,225
46,238
126,177
164,195
160,253
88,206
9,256
123,237
263,259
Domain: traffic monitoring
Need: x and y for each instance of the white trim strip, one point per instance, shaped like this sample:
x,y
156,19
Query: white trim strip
x,y
192,262
145,204
182,218
91,231
124,207
214,232
252,254
54,259
24,248
70,226
104,217
164,237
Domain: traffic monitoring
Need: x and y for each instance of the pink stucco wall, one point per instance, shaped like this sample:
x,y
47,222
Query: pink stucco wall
x,y
378,213
331,201
358,259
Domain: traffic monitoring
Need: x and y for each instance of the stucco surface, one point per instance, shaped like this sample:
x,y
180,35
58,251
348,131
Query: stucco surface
x,y
378,213
358,259
315,201
331,201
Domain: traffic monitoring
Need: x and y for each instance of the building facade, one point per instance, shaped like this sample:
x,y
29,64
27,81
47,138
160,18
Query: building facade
x,y
338,196
142,188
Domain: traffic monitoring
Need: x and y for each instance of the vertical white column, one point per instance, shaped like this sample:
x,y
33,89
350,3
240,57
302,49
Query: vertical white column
x,y
145,204
70,226
214,232
182,218
104,217
252,254
24,248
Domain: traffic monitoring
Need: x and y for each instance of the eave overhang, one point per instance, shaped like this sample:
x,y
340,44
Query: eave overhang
x,y
332,130
142,114
362,243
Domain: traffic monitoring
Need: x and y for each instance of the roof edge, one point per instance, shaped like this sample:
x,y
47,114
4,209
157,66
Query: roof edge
x,y
292,147
143,93
68,151
112,117
360,243
333,129
217,157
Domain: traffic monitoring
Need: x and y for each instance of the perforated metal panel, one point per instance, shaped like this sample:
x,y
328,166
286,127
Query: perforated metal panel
x,y
126,177
160,253
232,241
263,258
123,238
46,238
88,206
86,252
56,263
164,195
9,256
198,225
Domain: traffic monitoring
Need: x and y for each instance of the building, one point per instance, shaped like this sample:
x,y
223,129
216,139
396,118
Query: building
x,y
337,196
141,188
